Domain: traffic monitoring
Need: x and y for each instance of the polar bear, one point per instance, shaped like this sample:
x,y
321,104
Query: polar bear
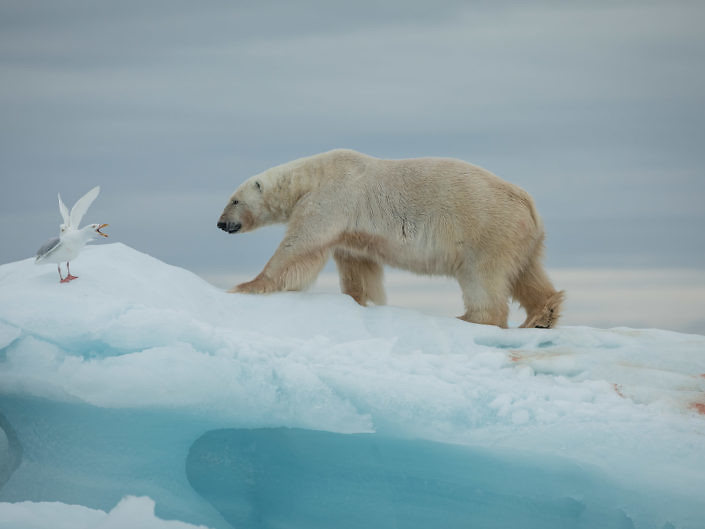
x,y
432,216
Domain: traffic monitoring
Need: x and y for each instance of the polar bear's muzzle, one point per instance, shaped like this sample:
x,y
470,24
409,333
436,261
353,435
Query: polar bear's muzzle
x,y
230,227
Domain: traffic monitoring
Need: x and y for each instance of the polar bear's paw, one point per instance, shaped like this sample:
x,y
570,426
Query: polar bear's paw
x,y
259,285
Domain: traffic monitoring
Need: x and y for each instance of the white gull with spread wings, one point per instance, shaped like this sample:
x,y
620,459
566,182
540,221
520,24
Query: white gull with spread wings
x,y
71,239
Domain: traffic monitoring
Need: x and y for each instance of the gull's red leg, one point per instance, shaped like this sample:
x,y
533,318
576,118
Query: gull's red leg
x,y
69,277
61,278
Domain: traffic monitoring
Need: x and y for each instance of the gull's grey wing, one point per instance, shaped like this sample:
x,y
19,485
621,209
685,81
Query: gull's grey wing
x,y
47,248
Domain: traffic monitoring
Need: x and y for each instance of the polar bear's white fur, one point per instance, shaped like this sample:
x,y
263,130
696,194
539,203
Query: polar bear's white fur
x,y
431,216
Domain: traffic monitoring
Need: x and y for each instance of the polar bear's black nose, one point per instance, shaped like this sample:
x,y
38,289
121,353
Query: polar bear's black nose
x,y
230,227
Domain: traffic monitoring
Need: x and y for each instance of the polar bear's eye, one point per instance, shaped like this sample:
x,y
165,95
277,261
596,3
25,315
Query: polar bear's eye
x,y
259,186
236,202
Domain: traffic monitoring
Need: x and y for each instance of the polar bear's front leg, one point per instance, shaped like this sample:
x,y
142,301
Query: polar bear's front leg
x,y
302,253
292,267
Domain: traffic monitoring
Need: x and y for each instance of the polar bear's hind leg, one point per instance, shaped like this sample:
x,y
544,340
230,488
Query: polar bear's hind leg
x,y
537,295
360,277
485,302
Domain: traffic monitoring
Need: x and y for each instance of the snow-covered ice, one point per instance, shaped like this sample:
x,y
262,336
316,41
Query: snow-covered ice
x,y
117,385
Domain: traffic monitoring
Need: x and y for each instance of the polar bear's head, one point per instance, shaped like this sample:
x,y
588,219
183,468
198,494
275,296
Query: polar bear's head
x,y
266,198
246,208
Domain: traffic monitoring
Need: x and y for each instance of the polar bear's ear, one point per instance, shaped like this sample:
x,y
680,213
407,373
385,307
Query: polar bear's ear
x,y
258,186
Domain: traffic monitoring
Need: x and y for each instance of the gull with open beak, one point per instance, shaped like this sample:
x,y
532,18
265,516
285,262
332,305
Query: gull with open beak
x,y
71,239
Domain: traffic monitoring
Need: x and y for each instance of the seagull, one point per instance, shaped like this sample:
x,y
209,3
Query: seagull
x,y
71,240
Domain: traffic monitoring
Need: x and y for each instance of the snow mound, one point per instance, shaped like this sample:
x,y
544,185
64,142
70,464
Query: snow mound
x,y
150,354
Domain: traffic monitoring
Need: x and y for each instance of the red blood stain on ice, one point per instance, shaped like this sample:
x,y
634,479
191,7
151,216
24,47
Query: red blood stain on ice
x,y
618,390
699,407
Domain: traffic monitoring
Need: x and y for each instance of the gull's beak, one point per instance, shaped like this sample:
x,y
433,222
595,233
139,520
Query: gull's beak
x,y
100,228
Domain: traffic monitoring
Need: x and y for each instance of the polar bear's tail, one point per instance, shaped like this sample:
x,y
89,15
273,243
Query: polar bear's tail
x,y
536,294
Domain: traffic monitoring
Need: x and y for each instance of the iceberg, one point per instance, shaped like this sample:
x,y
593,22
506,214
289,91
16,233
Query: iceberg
x,y
142,394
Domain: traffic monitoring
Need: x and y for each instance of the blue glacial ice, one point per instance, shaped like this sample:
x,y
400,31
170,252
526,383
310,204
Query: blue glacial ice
x,y
139,394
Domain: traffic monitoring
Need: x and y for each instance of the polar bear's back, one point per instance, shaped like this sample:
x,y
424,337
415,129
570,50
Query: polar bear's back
x,y
448,182
452,193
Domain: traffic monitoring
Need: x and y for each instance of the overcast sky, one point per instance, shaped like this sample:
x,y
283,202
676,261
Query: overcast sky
x,y
596,108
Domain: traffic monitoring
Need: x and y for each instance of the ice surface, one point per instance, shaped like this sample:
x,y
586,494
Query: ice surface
x,y
107,383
